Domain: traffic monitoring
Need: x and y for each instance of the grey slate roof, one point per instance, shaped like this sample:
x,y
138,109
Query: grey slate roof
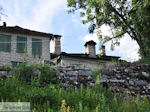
x,y
84,56
19,30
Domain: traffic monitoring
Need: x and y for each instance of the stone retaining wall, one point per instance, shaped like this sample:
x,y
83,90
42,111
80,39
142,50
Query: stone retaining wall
x,y
131,78
73,77
124,78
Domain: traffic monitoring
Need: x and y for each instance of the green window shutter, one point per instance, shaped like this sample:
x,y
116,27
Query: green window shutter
x,y
21,44
5,43
36,46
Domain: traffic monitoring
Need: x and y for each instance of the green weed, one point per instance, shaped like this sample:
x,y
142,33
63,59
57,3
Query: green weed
x,y
51,98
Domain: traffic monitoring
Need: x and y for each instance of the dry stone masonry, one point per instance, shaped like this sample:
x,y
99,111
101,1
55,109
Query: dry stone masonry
x,y
73,77
131,78
123,78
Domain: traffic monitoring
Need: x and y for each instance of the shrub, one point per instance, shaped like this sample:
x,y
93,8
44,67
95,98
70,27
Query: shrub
x,y
96,73
141,76
52,98
26,74
46,74
6,68
55,99
143,61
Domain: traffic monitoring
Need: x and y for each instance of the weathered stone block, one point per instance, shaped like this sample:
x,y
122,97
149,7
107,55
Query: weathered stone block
x,y
145,74
141,83
72,73
3,73
83,72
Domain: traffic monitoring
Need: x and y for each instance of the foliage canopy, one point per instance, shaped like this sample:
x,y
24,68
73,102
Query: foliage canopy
x,y
130,17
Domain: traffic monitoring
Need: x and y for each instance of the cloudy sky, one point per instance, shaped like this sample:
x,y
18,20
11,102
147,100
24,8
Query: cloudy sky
x,y
51,16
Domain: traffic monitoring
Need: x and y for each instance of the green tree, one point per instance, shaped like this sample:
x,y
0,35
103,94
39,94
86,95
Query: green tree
x,y
122,16
141,21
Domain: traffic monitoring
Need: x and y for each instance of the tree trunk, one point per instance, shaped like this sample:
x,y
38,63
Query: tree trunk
x,y
142,51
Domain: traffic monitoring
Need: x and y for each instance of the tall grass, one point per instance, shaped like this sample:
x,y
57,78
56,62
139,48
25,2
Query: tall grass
x,y
52,98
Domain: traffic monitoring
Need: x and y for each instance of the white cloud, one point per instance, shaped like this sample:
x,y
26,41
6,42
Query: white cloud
x,y
35,16
78,21
32,14
105,30
128,49
89,37
75,20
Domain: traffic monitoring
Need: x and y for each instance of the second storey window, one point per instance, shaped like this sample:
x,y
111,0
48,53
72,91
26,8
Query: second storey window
x,y
21,44
36,46
5,43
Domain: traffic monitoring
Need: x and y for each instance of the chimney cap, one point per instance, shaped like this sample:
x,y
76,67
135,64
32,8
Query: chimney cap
x,y
103,46
56,36
90,43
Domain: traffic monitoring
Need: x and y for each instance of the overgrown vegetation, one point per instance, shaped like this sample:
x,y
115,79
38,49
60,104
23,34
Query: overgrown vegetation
x,y
114,62
141,76
6,68
52,98
44,74
96,73
143,61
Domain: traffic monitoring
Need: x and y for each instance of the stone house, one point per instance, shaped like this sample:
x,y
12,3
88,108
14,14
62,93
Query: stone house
x,y
17,44
89,59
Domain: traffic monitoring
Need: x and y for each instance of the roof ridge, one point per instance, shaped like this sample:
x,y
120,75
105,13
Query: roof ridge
x,y
19,30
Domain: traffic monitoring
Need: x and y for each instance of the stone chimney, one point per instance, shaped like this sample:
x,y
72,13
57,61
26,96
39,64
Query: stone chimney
x,y
4,24
103,50
90,48
57,44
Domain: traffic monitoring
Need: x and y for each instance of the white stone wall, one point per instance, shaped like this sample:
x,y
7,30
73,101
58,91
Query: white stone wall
x,y
92,64
7,57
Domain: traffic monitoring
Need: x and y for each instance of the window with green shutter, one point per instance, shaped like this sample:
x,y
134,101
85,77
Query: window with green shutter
x,y
36,46
5,43
21,44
